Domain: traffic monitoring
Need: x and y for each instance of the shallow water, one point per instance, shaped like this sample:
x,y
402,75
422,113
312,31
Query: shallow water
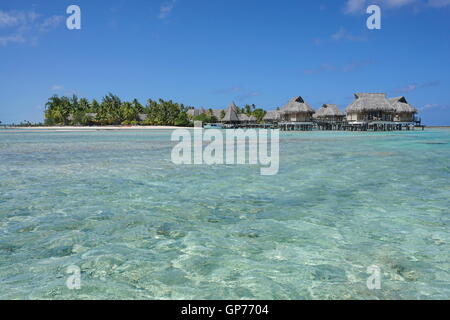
x,y
140,227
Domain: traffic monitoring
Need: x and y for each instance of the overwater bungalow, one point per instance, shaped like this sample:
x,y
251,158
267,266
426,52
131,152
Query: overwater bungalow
x,y
369,111
272,117
369,107
329,112
296,115
329,117
243,118
404,112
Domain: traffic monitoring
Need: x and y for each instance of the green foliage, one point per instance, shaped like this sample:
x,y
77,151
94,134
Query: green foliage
x,y
167,113
112,111
206,118
259,114
249,109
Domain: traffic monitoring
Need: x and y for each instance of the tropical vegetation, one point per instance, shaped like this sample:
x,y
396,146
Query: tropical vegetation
x,y
111,110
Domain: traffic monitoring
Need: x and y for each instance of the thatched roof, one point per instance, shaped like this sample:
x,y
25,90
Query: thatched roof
x,y
244,117
231,114
297,105
328,110
196,112
365,102
272,115
402,106
218,113
192,112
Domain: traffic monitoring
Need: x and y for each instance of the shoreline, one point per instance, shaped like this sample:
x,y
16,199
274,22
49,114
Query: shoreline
x,y
115,128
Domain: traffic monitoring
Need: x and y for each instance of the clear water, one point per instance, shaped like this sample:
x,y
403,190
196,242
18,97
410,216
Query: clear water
x,y
140,227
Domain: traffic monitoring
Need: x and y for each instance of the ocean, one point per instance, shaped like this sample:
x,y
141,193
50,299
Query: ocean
x,y
137,226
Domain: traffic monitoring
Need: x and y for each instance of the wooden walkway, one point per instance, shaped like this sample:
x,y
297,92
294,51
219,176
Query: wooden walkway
x,y
330,126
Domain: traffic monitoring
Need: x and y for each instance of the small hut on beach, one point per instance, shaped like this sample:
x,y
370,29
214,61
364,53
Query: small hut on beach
x,y
370,107
297,110
404,112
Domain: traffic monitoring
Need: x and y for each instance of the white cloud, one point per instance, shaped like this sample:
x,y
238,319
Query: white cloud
x,y
57,87
5,40
352,6
343,34
247,95
165,9
438,3
435,106
25,27
51,23
239,93
415,86
328,67
7,19
397,3
355,65
408,88
359,6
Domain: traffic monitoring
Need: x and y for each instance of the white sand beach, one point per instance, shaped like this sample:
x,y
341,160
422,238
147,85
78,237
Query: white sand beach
x,y
95,128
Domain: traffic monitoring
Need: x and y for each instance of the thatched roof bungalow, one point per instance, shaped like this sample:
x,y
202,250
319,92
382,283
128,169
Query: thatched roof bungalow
x,y
296,110
329,112
370,107
196,112
272,116
404,112
245,118
231,114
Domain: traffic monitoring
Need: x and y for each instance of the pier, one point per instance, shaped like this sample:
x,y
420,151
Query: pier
x,y
329,126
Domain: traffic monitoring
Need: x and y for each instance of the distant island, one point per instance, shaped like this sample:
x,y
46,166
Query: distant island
x,y
111,110
369,111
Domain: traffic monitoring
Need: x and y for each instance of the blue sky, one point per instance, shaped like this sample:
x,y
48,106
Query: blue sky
x,y
210,52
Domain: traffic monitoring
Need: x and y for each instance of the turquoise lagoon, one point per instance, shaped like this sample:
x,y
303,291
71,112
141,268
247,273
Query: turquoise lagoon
x,y
140,227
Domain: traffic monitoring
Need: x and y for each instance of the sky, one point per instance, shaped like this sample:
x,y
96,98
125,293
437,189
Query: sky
x,y
207,53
